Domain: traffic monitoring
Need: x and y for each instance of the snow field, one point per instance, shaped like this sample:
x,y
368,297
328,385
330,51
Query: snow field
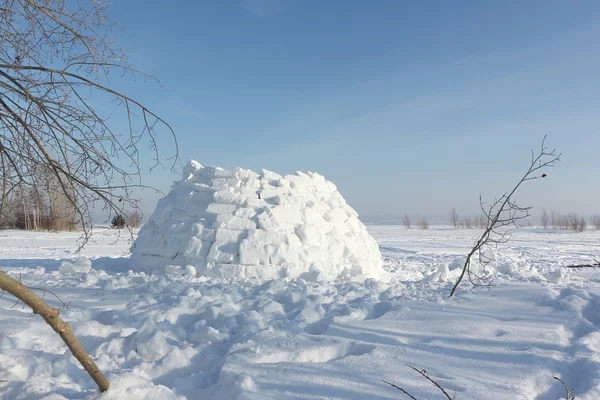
x,y
240,224
173,335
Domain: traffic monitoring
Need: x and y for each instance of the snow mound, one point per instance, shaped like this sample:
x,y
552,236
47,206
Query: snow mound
x,y
241,224
81,264
150,342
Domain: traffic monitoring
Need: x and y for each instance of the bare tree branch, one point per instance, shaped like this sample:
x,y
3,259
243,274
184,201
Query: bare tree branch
x,y
425,375
56,59
569,391
502,213
596,264
69,141
52,317
400,389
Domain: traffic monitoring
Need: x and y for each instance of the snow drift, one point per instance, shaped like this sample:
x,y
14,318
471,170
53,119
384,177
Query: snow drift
x,y
241,224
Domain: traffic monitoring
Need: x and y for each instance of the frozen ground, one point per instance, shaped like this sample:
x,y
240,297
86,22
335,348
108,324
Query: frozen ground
x,y
177,336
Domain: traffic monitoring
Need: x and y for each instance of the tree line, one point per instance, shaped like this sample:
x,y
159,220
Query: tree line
x,y
548,220
41,206
567,221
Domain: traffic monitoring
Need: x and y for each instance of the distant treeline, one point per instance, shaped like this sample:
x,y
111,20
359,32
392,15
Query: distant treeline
x,y
570,221
38,205
553,220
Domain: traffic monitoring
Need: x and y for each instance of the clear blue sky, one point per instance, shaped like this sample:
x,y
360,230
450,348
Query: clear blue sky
x,y
407,106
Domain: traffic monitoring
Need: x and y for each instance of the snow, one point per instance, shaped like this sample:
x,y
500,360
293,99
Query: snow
x,y
81,264
241,224
175,334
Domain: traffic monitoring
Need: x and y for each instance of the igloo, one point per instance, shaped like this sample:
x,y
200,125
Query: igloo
x,y
241,224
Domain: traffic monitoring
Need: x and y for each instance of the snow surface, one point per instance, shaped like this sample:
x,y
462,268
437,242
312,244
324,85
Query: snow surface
x,y
246,225
174,335
81,264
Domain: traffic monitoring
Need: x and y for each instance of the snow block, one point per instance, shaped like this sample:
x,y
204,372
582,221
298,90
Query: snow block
x,y
215,208
239,224
221,253
229,198
81,264
197,248
235,223
149,341
253,252
229,236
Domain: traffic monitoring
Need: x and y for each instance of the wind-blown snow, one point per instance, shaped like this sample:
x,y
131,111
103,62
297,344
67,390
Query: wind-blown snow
x,y
240,224
175,336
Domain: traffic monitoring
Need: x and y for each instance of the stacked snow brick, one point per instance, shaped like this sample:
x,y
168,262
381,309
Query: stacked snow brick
x,y
241,224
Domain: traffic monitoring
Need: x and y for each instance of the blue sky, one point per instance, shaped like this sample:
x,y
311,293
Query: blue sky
x,y
407,106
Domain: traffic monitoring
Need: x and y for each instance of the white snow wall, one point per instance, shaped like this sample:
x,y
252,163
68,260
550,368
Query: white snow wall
x,y
240,224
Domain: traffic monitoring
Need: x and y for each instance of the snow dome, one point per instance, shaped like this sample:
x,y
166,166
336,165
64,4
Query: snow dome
x,y
241,224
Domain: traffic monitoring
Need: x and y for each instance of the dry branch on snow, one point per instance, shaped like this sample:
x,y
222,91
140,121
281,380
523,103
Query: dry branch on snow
x,y
52,317
502,213
595,264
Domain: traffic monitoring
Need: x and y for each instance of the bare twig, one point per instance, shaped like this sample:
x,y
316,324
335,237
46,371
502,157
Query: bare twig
x,y
502,213
569,391
596,264
63,305
402,390
425,375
